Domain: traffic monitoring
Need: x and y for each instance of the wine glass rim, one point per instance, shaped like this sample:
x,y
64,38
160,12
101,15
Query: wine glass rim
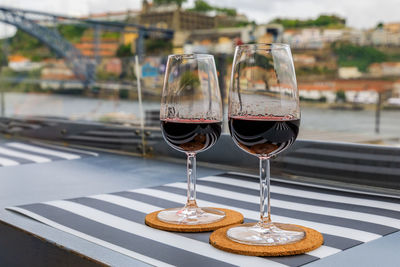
x,y
265,46
192,56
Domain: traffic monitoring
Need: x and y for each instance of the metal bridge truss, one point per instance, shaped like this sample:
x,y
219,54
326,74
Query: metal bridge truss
x,y
83,67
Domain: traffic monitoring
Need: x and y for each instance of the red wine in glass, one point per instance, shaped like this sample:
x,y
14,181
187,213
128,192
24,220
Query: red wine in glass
x,y
264,118
263,136
190,135
191,118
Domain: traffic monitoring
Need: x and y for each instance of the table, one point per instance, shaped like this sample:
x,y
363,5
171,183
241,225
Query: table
x,y
31,183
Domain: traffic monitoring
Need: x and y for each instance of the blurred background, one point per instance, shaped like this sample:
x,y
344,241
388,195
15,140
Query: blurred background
x,y
99,64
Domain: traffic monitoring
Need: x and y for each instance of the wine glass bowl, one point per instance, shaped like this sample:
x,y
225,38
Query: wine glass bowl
x,y
190,136
191,119
264,120
263,136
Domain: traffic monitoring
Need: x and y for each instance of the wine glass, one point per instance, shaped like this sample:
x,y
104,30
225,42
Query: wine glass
x,y
264,119
191,119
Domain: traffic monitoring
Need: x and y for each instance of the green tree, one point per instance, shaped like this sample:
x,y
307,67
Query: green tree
x,y
71,32
201,6
3,55
321,21
124,51
340,96
30,47
379,25
163,2
326,20
228,11
157,46
358,56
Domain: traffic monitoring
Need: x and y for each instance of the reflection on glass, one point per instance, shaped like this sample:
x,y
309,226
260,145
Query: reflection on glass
x,y
191,118
264,119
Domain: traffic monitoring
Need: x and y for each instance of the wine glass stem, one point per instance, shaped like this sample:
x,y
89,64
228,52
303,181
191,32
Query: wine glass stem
x,y
191,180
265,207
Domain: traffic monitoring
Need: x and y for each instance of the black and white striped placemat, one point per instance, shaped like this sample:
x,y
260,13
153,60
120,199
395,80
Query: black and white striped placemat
x,y
116,220
17,153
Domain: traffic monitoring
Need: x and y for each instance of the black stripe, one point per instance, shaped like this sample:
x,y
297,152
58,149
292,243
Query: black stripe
x,y
312,188
163,203
120,211
145,246
336,242
294,261
309,216
340,242
316,202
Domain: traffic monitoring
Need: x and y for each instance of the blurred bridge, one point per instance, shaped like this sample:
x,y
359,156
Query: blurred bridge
x,y
83,67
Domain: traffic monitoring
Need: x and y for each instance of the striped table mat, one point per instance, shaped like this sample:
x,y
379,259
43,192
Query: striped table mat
x,y
116,220
16,153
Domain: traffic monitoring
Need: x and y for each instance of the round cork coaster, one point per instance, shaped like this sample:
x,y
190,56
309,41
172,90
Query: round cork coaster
x,y
231,217
312,241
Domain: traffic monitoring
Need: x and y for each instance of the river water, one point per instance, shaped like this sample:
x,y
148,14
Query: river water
x,y
314,119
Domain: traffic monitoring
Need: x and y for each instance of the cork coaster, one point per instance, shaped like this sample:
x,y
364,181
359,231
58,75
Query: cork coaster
x,y
231,217
312,241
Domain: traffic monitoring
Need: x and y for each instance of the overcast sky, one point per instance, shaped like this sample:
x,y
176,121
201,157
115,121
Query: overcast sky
x,y
359,13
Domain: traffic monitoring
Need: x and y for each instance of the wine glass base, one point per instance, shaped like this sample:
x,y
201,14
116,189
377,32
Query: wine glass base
x,y
270,234
191,215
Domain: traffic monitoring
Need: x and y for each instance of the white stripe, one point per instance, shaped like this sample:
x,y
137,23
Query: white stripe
x,y
354,215
307,194
8,162
67,148
90,238
13,153
127,203
321,227
44,151
323,251
168,238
